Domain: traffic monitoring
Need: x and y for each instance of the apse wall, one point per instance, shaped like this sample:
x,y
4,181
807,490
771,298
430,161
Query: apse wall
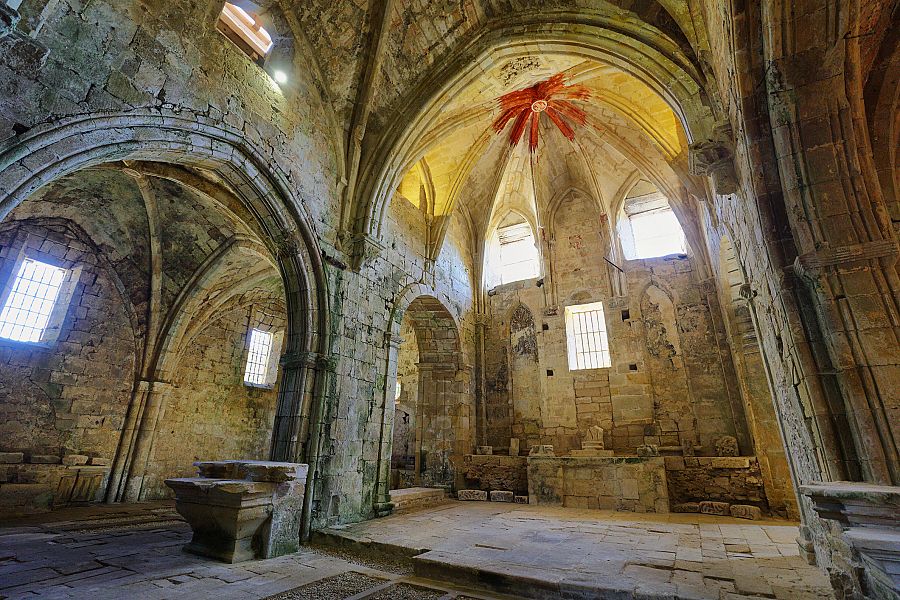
x,y
670,384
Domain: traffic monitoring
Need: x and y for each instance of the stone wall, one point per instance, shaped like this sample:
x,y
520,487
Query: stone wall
x,y
732,479
671,382
496,472
616,483
210,413
68,396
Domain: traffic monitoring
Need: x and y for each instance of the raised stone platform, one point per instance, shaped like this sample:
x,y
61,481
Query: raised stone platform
x,y
627,483
417,497
545,552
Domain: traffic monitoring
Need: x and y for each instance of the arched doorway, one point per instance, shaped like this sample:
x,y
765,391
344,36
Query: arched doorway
x,y
441,411
426,430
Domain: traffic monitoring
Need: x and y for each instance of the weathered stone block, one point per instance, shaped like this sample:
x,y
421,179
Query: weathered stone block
x,y
484,450
541,450
728,462
686,507
74,459
502,496
726,446
521,500
11,458
674,463
746,511
714,508
514,447
44,459
100,462
648,450
472,495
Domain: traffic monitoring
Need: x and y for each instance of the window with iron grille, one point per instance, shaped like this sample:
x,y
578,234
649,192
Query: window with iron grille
x,y
258,355
32,297
586,336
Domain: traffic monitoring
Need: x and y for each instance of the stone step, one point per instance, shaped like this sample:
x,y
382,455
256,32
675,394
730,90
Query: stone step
x,y
510,581
418,497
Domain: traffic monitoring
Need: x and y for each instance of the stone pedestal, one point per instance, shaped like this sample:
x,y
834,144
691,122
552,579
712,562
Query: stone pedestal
x,y
593,444
868,517
241,510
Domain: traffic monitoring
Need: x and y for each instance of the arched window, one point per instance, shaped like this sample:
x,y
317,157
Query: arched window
x,y
649,228
245,30
518,254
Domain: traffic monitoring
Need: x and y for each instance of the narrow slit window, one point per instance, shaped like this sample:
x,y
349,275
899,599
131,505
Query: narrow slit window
x,y
586,335
27,310
260,351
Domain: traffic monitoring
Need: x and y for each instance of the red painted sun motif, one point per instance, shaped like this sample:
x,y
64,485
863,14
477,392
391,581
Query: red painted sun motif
x,y
551,97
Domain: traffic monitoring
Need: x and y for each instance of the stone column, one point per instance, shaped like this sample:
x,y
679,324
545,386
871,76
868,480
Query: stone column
x,y
152,397
847,248
383,505
291,428
482,323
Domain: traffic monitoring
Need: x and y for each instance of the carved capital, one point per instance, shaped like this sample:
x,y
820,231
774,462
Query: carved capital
x,y
296,360
715,158
364,249
394,340
747,292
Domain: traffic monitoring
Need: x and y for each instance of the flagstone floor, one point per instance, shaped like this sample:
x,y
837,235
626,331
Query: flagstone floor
x,y
463,550
545,552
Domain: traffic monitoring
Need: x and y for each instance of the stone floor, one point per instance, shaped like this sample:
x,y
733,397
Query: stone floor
x,y
545,552
134,552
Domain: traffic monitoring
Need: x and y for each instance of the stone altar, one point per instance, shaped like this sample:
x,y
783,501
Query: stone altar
x,y
242,509
627,483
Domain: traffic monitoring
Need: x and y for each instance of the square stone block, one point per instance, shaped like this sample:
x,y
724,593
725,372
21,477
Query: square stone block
x,y
502,496
521,500
746,511
714,508
478,495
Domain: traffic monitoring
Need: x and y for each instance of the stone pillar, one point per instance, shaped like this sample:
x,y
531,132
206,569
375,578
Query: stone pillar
x,y
847,248
383,505
152,396
482,323
291,428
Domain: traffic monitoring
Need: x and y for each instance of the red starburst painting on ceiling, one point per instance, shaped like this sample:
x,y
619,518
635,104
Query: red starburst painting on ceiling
x,y
551,97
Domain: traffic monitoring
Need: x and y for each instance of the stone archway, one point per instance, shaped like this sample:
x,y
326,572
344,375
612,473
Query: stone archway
x,y
188,146
444,412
